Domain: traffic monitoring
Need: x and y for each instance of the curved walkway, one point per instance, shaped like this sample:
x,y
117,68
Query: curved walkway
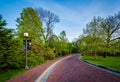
x,y
74,70
69,69
32,74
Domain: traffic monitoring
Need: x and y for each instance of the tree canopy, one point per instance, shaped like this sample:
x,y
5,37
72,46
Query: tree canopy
x,y
29,22
8,48
101,36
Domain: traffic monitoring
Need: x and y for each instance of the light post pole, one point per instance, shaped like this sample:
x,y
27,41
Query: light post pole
x,y
26,63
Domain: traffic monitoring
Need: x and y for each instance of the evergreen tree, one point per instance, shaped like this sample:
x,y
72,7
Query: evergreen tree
x,y
8,48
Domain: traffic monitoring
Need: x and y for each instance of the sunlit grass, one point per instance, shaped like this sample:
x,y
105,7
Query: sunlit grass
x,y
110,61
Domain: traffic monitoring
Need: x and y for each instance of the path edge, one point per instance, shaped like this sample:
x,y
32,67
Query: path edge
x,y
44,76
103,68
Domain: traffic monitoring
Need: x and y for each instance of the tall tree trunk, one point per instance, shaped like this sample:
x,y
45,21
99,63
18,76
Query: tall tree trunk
x,y
95,55
94,52
107,44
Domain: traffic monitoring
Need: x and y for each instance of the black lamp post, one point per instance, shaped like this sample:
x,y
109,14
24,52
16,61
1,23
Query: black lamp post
x,y
26,36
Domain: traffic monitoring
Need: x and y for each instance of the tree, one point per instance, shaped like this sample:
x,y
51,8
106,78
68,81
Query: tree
x,y
30,22
52,41
111,29
2,23
70,47
94,30
63,37
8,48
48,20
75,46
62,46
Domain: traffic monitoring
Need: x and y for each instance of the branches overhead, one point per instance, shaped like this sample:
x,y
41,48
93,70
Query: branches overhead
x,y
111,26
47,17
94,27
48,20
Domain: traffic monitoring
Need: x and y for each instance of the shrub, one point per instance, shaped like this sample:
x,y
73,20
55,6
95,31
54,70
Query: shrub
x,y
49,54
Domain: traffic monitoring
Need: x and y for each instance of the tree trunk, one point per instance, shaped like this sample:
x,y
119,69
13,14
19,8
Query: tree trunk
x,y
95,56
105,55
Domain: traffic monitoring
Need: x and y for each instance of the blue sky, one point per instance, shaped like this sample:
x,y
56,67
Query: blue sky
x,y
73,14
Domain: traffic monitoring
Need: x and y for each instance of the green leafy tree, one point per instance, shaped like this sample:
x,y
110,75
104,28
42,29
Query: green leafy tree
x,y
48,20
30,22
62,46
94,30
63,37
111,29
75,46
52,41
8,48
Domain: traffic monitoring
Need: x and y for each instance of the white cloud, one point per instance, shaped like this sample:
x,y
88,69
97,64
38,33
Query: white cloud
x,y
73,19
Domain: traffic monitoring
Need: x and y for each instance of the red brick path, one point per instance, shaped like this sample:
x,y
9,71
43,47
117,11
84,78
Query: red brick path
x,y
73,70
68,70
33,74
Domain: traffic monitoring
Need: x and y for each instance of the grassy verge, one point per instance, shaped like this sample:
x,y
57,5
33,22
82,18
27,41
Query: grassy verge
x,y
110,62
4,76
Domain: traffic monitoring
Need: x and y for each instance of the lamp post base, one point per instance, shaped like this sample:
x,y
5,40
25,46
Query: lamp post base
x,y
26,67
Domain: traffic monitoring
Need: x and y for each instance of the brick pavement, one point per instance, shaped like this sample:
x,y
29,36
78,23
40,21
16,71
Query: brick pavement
x,y
32,74
68,70
73,70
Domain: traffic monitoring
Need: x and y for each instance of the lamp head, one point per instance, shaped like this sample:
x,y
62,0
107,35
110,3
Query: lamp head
x,y
25,34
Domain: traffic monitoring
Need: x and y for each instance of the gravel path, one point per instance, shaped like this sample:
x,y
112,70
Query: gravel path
x,y
73,70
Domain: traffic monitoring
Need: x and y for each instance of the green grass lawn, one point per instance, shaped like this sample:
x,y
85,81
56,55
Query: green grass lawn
x,y
4,76
110,61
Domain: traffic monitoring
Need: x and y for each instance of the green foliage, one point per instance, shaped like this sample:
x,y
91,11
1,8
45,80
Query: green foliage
x,y
62,36
93,28
37,49
10,57
100,36
111,28
34,60
45,44
48,53
52,41
8,48
88,44
62,46
29,22
2,22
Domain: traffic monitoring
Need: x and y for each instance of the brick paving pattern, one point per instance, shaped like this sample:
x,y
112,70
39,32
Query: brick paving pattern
x,y
68,70
73,70
33,74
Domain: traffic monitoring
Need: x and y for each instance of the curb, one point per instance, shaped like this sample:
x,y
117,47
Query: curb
x,y
104,68
44,76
